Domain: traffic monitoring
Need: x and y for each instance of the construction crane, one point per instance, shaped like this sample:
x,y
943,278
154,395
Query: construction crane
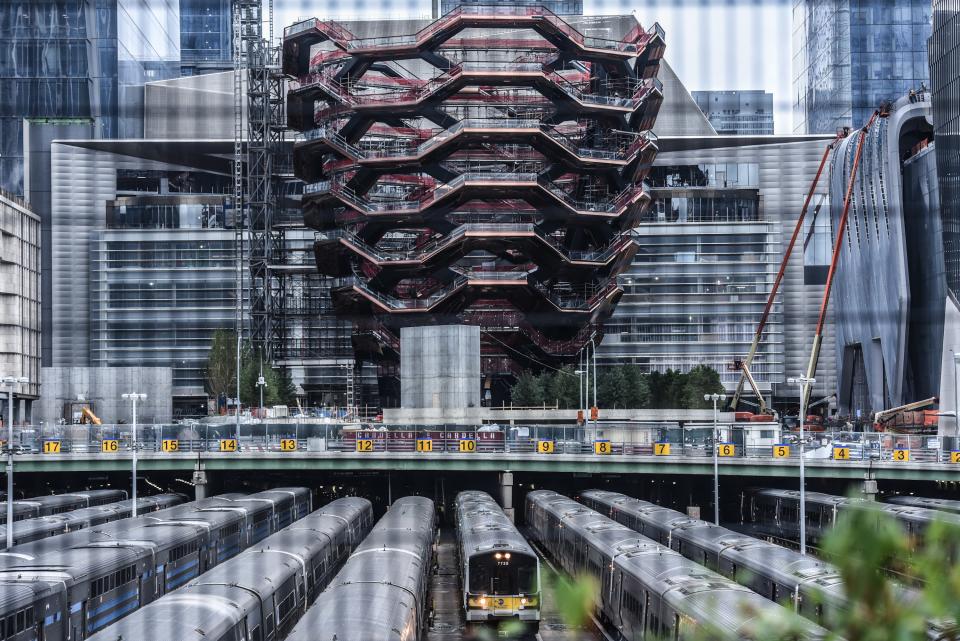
x,y
744,365
837,247
761,405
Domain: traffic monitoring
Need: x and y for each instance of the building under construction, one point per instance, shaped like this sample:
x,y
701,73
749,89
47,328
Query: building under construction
x,y
486,168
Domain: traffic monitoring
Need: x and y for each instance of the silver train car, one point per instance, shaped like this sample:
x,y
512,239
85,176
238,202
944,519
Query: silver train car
x,y
813,587
43,527
260,594
85,580
499,570
776,513
59,503
644,589
941,505
382,591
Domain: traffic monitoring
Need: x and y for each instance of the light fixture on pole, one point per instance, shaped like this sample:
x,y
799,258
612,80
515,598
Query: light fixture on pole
x,y
10,382
134,398
804,382
261,383
594,413
716,462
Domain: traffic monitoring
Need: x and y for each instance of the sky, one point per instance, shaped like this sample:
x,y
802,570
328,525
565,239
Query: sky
x,y
711,44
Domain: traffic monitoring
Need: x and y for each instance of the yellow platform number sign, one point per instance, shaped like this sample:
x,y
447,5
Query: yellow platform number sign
x,y
781,451
424,444
110,445
364,444
955,456
841,453
51,447
170,445
726,449
228,445
661,449
901,454
602,447
545,447
288,445
468,445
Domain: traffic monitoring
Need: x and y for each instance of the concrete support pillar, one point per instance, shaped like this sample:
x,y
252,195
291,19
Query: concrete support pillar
x,y
506,494
199,483
869,487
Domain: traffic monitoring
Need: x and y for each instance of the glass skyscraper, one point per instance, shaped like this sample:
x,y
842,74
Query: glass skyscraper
x,y
205,36
737,113
945,99
80,59
851,55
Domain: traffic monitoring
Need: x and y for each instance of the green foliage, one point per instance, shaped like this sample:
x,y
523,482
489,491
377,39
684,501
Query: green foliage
x,y
575,600
699,381
221,370
623,387
527,391
563,387
278,386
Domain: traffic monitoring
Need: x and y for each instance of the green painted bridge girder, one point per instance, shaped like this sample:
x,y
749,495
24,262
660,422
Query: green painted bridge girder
x,y
481,462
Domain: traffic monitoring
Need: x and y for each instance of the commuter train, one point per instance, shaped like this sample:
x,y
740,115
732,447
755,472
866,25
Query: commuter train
x,y
499,569
43,527
941,505
776,513
70,586
260,594
382,591
59,503
645,589
814,587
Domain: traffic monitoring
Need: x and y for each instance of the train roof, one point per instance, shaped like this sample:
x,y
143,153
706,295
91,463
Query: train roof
x,y
484,527
183,617
341,616
944,505
260,572
77,564
811,497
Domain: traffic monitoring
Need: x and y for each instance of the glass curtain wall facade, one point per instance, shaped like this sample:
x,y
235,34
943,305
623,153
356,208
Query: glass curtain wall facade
x,y
945,99
851,55
205,36
698,283
559,7
68,59
737,113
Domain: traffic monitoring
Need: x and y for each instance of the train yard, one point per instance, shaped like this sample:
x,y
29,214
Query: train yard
x,y
267,566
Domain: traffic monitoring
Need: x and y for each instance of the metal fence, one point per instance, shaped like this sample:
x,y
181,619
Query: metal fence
x,y
664,440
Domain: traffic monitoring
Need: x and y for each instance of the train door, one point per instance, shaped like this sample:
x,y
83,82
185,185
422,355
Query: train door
x,y
616,597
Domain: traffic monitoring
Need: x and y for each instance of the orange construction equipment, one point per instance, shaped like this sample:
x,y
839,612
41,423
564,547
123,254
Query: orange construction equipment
x,y
744,366
837,247
906,419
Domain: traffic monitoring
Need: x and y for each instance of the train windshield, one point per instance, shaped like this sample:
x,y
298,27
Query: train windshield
x,y
512,573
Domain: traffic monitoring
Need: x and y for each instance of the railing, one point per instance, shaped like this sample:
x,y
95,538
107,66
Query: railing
x,y
663,441
421,252
338,188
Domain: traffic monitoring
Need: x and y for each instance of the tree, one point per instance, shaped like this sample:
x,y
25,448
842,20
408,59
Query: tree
x,y
612,391
222,364
637,395
276,391
666,389
700,380
527,391
563,387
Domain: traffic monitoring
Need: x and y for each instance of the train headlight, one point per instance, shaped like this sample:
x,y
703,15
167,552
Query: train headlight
x,y
483,602
507,555
523,601
498,556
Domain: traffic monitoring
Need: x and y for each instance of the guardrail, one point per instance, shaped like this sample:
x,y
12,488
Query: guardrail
x,y
756,441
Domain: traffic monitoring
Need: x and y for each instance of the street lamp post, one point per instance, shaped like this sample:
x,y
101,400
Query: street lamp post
x,y
134,398
10,382
261,383
593,346
804,382
716,461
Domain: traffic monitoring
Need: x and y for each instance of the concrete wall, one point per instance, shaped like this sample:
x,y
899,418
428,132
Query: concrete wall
x,y
103,386
440,367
